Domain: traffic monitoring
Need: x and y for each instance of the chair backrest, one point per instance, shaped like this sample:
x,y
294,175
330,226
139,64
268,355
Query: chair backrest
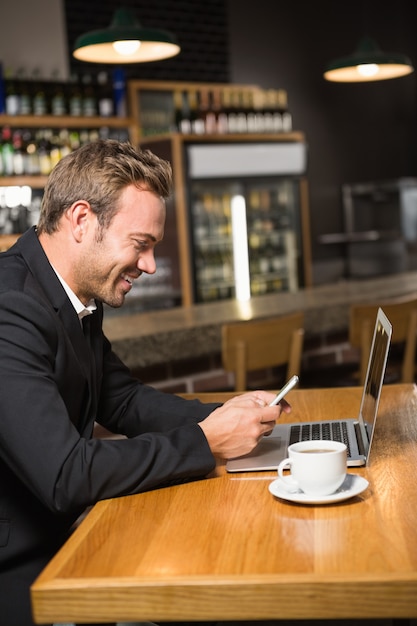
x,y
252,345
402,313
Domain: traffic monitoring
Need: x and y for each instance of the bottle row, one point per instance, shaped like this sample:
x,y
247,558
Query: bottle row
x,y
213,290
270,210
221,111
270,269
35,152
274,256
88,95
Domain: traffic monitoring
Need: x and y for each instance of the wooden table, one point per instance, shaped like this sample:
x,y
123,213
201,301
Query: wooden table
x,y
225,548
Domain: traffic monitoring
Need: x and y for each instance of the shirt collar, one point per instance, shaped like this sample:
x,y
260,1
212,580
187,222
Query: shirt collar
x,y
81,309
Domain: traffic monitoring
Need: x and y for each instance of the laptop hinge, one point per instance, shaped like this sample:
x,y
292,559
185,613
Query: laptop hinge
x,y
359,439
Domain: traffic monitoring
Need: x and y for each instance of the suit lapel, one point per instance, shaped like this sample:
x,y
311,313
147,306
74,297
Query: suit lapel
x,y
36,259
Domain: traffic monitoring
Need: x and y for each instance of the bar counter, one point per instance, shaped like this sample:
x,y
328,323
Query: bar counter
x,y
152,338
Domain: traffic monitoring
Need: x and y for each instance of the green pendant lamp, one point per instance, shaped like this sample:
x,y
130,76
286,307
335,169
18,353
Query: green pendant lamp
x,y
125,41
368,63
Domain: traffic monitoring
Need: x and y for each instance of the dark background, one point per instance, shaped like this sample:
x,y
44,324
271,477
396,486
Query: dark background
x,y
355,132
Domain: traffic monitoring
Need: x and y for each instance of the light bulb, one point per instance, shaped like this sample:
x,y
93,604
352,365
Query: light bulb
x,y
367,69
126,48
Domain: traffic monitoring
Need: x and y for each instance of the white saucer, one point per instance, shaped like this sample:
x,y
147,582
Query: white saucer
x,y
352,486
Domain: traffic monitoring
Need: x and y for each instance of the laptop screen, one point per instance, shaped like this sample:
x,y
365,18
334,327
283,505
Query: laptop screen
x,y
374,377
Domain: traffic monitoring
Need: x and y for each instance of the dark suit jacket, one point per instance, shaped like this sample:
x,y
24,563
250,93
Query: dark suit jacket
x,y
50,395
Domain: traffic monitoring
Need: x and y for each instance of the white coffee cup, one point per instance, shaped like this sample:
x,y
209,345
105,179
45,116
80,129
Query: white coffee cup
x,y
317,467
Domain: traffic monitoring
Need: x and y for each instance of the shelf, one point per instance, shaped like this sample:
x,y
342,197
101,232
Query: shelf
x,y
54,121
360,236
296,136
36,182
64,121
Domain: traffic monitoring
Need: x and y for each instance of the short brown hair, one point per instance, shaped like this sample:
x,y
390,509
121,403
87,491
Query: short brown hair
x,y
98,172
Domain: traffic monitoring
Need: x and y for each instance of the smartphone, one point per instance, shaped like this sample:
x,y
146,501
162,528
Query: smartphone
x,y
286,388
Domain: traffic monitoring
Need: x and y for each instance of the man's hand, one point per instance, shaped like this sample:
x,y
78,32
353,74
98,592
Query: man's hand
x,y
236,427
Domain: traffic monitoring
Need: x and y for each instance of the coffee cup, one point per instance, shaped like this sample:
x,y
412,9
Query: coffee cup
x,y
318,468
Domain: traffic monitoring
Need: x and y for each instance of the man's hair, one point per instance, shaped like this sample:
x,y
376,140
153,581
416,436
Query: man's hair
x,y
98,172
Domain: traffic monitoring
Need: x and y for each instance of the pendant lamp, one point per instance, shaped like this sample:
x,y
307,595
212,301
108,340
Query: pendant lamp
x,y
125,41
368,63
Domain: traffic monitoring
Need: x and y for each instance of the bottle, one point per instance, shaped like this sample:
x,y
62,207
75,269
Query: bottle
x,y
44,151
32,166
210,121
220,115
12,95
197,124
18,154
74,140
119,92
232,113
39,102
25,98
258,111
276,113
202,107
267,112
185,126
58,100
64,142
105,97
250,113
182,113
178,104
241,119
75,97
93,135
2,91
84,137
283,108
89,102
7,151
55,149
104,133
223,115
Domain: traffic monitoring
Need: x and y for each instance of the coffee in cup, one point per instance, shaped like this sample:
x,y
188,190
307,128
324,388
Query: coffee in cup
x,y
318,467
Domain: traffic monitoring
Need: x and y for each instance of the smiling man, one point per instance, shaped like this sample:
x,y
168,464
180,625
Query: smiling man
x,y
103,213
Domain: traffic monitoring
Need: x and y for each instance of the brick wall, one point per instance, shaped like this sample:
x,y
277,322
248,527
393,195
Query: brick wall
x,y
200,27
328,360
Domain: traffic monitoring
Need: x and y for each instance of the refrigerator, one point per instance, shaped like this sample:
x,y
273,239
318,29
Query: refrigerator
x,y
247,218
380,228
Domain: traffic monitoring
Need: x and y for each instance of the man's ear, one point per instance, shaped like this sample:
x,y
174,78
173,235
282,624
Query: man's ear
x,y
78,216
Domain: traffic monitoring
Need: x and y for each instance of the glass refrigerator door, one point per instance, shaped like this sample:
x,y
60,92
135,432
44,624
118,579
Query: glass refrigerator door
x,y
245,228
273,236
212,242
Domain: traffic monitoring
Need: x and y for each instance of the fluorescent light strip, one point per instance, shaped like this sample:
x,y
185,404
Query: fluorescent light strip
x,y
240,248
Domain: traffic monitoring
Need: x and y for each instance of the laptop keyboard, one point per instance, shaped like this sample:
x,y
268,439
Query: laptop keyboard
x,y
333,431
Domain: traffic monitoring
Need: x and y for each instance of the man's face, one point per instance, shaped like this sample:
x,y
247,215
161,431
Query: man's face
x,y
107,267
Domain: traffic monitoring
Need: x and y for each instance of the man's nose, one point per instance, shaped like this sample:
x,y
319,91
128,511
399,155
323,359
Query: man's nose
x,y
147,263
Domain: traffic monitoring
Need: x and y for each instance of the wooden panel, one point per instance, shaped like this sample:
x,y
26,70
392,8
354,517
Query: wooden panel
x,y
225,548
6,241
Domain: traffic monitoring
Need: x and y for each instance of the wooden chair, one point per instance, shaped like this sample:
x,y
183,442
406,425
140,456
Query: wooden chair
x,y
253,345
402,314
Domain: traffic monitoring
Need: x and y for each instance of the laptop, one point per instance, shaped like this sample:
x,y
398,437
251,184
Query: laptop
x,y
357,432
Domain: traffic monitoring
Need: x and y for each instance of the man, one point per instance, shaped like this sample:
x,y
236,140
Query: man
x,y
102,215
